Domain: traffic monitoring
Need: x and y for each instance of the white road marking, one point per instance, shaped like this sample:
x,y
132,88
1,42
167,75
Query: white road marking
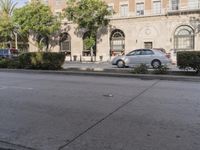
x,y
15,87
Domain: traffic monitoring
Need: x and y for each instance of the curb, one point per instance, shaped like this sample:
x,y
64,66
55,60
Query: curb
x,y
106,73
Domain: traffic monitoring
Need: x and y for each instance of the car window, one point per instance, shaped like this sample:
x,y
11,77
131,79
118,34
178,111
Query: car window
x,y
131,53
135,52
138,52
147,52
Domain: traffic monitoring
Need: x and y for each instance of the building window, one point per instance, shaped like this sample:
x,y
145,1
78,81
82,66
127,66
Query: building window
x,y
117,42
45,2
184,38
156,7
194,4
59,3
65,43
148,45
124,10
175,4
110,9
139,9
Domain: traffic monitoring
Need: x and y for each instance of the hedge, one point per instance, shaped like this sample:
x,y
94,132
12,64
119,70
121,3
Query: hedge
x,y
189,59
9,63
42,60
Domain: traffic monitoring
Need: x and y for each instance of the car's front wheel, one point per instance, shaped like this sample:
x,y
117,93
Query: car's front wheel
x,y
120,64
156,64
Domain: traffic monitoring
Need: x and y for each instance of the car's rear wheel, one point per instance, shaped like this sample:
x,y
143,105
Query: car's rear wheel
x,y
120,64
156,64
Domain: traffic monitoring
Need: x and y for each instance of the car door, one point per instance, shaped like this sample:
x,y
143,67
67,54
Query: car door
x,y
134,57
146,56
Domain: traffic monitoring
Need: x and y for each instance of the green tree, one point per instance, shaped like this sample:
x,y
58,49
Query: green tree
x,y
6,23
36,19
89,15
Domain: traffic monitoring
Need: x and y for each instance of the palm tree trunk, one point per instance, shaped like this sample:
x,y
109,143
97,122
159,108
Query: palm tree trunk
x,y
91,54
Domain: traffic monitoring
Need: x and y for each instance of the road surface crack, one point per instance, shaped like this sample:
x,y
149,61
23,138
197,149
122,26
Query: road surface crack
x,y
11,146
107,116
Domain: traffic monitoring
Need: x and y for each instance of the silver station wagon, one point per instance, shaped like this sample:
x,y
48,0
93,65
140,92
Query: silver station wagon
x,y
150,57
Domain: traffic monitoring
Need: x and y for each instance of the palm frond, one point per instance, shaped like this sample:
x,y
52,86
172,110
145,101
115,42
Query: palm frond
x,y
7,6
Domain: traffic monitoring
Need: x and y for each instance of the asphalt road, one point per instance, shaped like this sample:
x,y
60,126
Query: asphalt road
x,y
63,112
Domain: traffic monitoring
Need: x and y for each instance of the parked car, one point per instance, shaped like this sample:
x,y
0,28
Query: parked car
x,y
150,57
8,53
164,51
160,49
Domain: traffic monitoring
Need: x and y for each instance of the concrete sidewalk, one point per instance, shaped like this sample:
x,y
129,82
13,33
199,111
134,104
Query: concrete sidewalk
x,y
108,67
103,65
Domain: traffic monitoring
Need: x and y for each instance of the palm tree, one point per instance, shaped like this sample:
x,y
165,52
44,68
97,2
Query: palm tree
x,y
6,25
7,7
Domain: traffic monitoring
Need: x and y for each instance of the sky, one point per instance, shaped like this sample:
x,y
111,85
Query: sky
x,y
20,2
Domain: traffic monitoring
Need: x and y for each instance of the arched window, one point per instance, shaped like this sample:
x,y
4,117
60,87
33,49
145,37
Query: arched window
x,y
184,38
87,51
65,43
117,42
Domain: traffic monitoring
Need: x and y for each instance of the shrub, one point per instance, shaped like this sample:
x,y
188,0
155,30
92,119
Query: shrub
x,y
3,63
141,69
9,63
14,64
160,70
189,59
42,60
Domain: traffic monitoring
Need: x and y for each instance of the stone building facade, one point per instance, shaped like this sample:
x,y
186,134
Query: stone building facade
x,y
173,25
